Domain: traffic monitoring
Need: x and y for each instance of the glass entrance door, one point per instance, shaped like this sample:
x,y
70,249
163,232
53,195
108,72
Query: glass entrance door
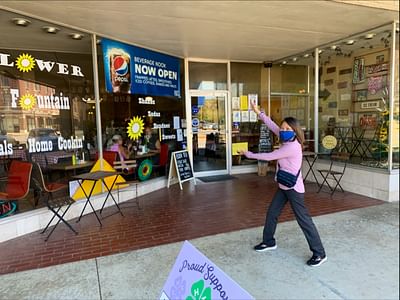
x,y
209,133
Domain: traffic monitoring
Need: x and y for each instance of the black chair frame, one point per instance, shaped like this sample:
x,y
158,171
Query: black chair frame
x,y
333,173
53,204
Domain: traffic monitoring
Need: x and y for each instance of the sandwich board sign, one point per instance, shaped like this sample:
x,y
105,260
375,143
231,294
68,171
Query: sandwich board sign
x,y
180,168
194,276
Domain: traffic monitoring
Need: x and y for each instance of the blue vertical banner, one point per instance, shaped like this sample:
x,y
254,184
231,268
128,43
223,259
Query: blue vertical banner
x,y
133,70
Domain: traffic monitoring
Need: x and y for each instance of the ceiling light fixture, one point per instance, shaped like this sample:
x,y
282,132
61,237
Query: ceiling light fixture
x,y
320,51
350,42
294,59
89,100
306,55
284,62
51,29
333,47
76,36
21,22
369,36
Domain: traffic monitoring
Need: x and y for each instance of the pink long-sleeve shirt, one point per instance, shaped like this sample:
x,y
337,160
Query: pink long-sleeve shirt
x,y
289,156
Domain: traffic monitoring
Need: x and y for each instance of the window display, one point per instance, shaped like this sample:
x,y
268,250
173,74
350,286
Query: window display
x,y
355,105
142,122
248,82
44,117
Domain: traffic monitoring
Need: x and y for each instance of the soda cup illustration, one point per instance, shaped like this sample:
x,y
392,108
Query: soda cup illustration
x,y
120,71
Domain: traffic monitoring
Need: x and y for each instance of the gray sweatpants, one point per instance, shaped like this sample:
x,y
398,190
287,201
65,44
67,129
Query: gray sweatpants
x,y
303,218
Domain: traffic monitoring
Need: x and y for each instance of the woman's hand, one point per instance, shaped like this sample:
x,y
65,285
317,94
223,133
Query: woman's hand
x,y
254,107
241,152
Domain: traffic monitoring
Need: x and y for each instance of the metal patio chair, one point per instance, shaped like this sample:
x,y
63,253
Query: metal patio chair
x,y
335,172
47,190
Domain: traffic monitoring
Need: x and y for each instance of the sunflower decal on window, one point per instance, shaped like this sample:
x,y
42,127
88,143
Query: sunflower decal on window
x,y
135,128
27,102
25,62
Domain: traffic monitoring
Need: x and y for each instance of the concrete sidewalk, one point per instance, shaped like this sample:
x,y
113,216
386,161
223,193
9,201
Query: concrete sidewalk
x,y
363,263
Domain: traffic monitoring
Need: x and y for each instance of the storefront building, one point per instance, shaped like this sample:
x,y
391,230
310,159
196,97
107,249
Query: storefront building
x,y
68,100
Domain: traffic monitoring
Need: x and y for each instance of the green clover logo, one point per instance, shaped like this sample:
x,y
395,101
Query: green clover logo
x,y
198,291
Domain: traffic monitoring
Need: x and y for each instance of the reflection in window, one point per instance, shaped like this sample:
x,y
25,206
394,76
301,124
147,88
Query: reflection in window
x,y
43,118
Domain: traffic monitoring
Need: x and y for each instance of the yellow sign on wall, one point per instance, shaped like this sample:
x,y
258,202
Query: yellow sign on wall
x,y
236,147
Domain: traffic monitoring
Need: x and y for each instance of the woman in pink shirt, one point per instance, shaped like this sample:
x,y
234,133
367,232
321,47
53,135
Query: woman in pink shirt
x,y
117,146
289,158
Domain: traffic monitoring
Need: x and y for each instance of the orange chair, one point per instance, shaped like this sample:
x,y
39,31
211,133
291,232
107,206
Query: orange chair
x,y
108,156
53,204
18,181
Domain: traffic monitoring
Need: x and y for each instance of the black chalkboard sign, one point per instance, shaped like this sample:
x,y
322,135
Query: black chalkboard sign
x,y
265,142
180,167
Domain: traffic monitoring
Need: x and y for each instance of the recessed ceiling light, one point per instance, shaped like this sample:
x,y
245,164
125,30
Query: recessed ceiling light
x,y
284,62
21,22
76,36
350,42
51,29
294,59
369,36
306,55
320,51
98,41
333,47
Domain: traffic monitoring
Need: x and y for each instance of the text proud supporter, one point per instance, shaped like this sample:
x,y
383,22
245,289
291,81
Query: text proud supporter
x,y
208,275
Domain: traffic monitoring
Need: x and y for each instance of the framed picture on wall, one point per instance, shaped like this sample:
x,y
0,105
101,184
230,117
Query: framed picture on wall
x,y
361,95
331,70
332,104
380,59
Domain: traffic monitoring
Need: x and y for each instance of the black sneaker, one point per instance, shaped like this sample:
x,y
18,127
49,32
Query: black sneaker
x,y
315,260
263,247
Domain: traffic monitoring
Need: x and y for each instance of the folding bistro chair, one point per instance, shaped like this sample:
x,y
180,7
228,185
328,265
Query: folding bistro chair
x,y
52,203
128,169
18,182
335,172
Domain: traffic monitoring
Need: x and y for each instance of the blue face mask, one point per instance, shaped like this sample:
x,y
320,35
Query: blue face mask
x,y
286,136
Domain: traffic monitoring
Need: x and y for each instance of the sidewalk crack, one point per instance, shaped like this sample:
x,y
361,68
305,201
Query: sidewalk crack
x,y
98,278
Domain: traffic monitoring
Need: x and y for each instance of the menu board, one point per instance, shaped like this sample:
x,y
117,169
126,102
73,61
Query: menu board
x,y
180,167
265,142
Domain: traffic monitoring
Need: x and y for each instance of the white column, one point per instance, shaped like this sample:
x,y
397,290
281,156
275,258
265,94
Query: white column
x,y
188,108
269,92
391,94
308,99
316,95
97,98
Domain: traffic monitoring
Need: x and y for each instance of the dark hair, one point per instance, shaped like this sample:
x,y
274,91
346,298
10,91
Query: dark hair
x,y
295,125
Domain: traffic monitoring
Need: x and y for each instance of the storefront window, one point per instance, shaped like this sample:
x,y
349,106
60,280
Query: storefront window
x,y
354,97
396,108
144,122
248,83
45,77
287,78
207,76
